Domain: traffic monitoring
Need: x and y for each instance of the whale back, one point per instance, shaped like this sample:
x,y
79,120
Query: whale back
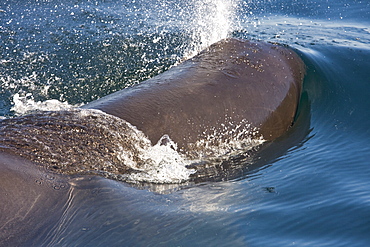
x,y
231,90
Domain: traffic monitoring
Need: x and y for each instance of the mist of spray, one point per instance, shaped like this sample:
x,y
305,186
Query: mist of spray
x,y
212,21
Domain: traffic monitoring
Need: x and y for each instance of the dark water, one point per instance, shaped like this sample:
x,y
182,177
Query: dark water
x,y
314,194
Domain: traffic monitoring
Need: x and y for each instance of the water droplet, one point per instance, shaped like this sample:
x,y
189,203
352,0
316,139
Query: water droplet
x,y
49,177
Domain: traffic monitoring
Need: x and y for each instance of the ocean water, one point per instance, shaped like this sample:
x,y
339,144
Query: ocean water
x,y
312,191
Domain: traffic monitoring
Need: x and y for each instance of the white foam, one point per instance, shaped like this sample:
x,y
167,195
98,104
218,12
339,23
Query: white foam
x,y
162,164
26,104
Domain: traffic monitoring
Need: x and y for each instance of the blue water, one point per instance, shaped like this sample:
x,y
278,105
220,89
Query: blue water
x,y
316,193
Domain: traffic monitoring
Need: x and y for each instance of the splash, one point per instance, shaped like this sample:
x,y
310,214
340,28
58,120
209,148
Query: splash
x,y
26,104
163,164
81,141
213,20
229,139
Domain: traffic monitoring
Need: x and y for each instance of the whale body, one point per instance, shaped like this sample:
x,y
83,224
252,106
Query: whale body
x,y
253,85
230,98
233,90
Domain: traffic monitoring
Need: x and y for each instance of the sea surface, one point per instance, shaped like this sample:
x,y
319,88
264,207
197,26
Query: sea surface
x,y
62,54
